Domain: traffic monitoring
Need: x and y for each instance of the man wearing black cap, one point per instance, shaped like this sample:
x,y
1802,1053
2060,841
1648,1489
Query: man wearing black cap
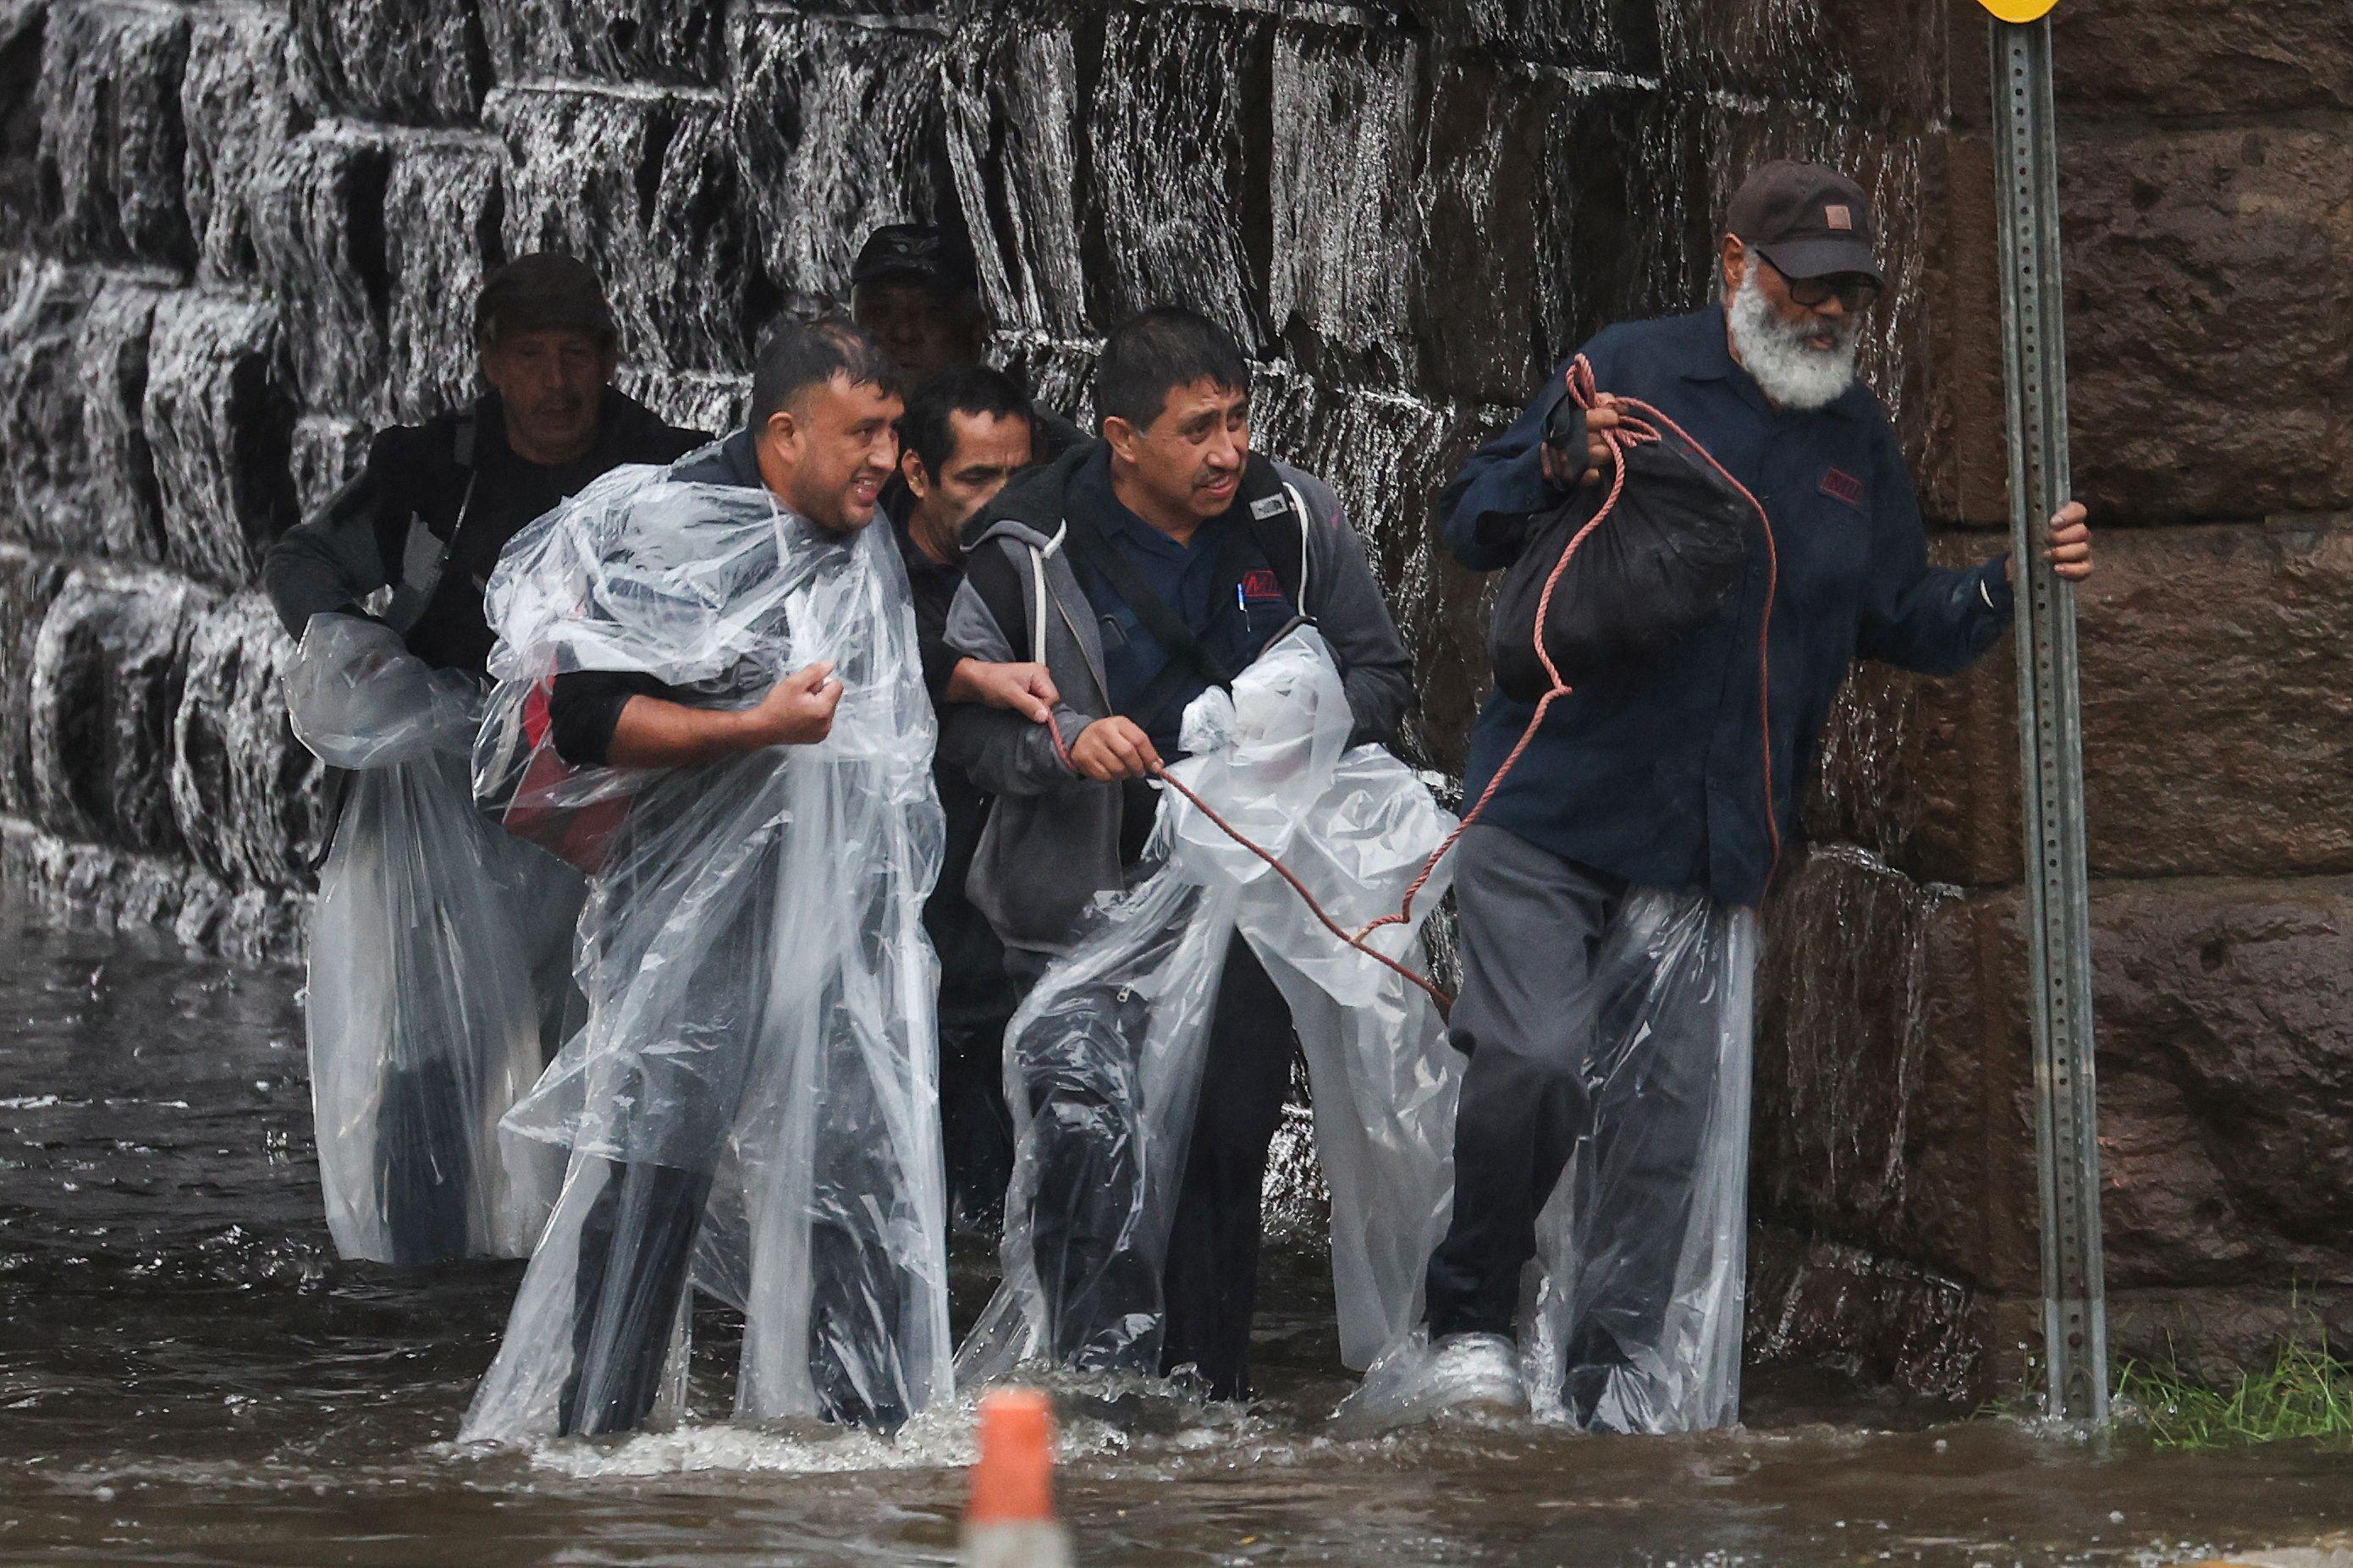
x,y
435,503
1679,778
914,289
424,521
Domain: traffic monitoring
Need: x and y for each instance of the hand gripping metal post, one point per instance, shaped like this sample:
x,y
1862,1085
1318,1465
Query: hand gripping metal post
x,y
2075,1339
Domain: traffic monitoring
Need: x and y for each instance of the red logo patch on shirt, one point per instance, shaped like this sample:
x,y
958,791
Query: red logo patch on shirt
x,y
1839,485
1260,584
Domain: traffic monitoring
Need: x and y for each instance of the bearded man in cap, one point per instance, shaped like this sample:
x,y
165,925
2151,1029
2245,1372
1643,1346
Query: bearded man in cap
x,y
441,948
1606,894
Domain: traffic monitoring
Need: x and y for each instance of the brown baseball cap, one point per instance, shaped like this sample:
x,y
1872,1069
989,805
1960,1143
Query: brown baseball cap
x,y
1808,221
545,289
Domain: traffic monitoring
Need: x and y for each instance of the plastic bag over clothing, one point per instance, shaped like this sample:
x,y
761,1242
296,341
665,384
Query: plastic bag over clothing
x,y
1631,1313
752,1104
1663,563
1103,1059
440,958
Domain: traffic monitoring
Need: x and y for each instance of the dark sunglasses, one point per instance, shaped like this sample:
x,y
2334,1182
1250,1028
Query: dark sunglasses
x,y
1855,290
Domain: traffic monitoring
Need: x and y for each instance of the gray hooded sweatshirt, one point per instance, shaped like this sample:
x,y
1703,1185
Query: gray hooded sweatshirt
x,y
1053,836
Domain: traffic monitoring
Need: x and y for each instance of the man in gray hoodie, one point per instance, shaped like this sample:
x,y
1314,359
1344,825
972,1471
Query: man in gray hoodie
x,y
1140,570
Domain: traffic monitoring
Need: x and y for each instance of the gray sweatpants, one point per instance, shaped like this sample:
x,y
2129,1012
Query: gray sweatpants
x,y
1548,1017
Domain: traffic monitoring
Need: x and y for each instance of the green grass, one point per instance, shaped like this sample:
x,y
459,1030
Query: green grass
x,y
2306,1392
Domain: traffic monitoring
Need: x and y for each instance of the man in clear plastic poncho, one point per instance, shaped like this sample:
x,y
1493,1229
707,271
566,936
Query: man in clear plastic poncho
x,y
709,698
441,948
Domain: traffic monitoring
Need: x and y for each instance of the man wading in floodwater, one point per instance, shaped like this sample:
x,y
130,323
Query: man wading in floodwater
x,y
1591,1052
409,1060
728,656
966,431
1146,568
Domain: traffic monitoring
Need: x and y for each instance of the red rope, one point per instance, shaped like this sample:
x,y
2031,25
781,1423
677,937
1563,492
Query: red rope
x,y
1638,423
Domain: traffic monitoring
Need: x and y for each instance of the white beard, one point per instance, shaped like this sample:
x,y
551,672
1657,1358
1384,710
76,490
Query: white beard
x,y
1775,353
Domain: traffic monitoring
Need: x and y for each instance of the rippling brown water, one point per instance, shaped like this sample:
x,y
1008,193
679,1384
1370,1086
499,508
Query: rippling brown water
x,y
187,1376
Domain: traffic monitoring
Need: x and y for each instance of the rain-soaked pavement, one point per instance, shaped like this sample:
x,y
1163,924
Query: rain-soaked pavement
x,y
186,1376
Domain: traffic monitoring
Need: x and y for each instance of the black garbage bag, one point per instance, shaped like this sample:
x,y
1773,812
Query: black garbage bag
x,y
1663,563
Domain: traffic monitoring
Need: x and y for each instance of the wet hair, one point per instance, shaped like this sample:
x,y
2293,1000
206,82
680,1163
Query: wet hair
x,y
798,355
1156,351
927,428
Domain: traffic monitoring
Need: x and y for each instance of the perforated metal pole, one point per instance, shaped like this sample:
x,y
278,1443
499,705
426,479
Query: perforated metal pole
x,y
2074,1312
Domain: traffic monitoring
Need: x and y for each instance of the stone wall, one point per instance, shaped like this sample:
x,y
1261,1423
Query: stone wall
x,y
2207,165
242,234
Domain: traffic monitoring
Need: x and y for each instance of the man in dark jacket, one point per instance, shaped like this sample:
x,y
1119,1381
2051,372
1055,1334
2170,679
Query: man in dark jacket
x,y
435,503
1681,776
965,433
1139,571
426,519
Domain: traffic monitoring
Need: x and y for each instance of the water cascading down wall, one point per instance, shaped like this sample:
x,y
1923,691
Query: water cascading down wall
x,y
240,235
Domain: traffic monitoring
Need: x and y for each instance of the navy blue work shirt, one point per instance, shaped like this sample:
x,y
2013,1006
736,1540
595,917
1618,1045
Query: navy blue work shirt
x,y
1230,616
1659,775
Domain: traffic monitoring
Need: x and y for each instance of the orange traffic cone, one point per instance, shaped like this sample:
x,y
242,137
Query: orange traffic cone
x,y
1010,1522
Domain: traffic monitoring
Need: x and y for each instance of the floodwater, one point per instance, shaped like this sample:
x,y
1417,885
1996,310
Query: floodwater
x,y
187,1376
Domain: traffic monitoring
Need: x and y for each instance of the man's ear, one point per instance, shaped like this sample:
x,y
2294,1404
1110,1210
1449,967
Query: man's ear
x,y
1123,436
1733,264
912,469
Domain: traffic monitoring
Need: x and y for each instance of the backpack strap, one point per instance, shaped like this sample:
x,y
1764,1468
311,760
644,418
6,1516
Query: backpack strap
x,y
424,555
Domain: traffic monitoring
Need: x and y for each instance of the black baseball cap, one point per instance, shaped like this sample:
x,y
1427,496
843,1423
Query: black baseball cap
x,y
545,289
914,253
1808,221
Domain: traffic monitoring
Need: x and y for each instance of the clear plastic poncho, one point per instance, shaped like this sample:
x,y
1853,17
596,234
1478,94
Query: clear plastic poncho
x,y
1631,1313
755,1088
440,959
1103,1059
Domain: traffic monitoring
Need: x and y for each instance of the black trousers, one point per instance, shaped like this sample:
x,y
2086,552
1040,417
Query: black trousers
x,y
637,1243
1102,1293
1559,1071
424,1161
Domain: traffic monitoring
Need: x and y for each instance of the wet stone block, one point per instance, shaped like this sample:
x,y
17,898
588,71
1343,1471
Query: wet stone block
x,y
688,399
321,202
123,501
418,62
640,184
1474,292
1178,126
246,796
28,582
2202,57
837,127
238,108
445,195
1590,35
1888,61
219,421
1624,225
107,671
1012,144
326,452
44,452
1345,133
21,26
2202,271
112,136
604,40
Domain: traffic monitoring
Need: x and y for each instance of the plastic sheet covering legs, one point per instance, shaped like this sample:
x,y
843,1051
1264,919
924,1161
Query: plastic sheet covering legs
x,y
751,1108
1637,1319
1629,1317
439,950
1103,1060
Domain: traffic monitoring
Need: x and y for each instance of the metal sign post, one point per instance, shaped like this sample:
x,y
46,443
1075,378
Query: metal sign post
x,y
2074,1312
